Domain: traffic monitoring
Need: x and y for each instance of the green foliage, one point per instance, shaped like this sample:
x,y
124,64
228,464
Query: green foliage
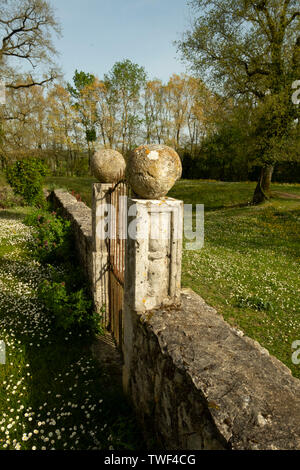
x,y
8,199
243,47
275,134
72,276
26,178
91,135
65,295
126,78
80,80
69,308
244,138
225,153
52,237
228,148
74,185
124,84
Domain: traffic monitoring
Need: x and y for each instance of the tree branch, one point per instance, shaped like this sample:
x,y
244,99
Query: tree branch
x,y
294,15
33,83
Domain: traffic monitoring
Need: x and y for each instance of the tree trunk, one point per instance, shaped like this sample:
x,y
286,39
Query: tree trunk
x,y
262,189
89,157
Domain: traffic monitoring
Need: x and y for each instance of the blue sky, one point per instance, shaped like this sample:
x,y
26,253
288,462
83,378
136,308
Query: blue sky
x,y
97,33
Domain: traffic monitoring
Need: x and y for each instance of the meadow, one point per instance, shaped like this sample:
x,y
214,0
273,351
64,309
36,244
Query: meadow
x,y
249,266
53,393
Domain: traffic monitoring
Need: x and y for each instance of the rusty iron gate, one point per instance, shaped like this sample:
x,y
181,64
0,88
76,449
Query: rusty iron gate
x,y
116,253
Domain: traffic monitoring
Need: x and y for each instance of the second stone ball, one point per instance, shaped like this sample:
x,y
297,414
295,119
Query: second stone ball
x,y
107,165
152,170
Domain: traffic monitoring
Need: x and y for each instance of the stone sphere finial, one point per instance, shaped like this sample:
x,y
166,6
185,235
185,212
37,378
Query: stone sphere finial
x,y
152,170
107,165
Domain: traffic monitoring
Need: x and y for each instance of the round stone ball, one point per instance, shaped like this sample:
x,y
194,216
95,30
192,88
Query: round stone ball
x,y
107,165
152,170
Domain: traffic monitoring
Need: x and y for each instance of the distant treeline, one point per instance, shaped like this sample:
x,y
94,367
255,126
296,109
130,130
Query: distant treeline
x,y
216,137
194,167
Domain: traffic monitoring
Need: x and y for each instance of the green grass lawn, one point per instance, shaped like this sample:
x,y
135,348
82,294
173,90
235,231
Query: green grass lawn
x,y
249,270
249,267
53,394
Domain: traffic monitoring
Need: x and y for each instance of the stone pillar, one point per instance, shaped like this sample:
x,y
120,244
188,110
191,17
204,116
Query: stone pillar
x,y
100,213
152,264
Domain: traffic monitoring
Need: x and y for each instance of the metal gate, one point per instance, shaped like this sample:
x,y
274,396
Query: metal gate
x,y
116,253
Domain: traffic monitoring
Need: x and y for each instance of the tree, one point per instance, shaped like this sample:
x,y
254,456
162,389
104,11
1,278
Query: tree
x,y
190,104
156,112
275,134
178,94
177,113
125,81
108,107
81,80
24,119
251,48
44,125
227,148
85,101
26,179
26,27
62,123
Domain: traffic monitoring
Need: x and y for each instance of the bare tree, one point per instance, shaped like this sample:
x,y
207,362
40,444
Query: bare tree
x,y
26,28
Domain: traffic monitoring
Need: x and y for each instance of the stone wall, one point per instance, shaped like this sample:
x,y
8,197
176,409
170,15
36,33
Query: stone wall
x,y
81,218
197,383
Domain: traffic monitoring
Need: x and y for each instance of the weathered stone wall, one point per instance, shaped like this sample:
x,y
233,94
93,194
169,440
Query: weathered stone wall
x,y
197,383
81,218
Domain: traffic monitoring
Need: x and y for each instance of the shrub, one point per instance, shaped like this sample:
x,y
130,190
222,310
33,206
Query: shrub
x,y
65,296
52,237
8,199
68,308
26,178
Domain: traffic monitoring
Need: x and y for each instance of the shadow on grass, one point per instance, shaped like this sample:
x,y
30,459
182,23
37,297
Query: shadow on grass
x,y
82,396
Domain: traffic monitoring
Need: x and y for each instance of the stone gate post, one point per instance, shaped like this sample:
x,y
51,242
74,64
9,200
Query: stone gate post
x,y
152,264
